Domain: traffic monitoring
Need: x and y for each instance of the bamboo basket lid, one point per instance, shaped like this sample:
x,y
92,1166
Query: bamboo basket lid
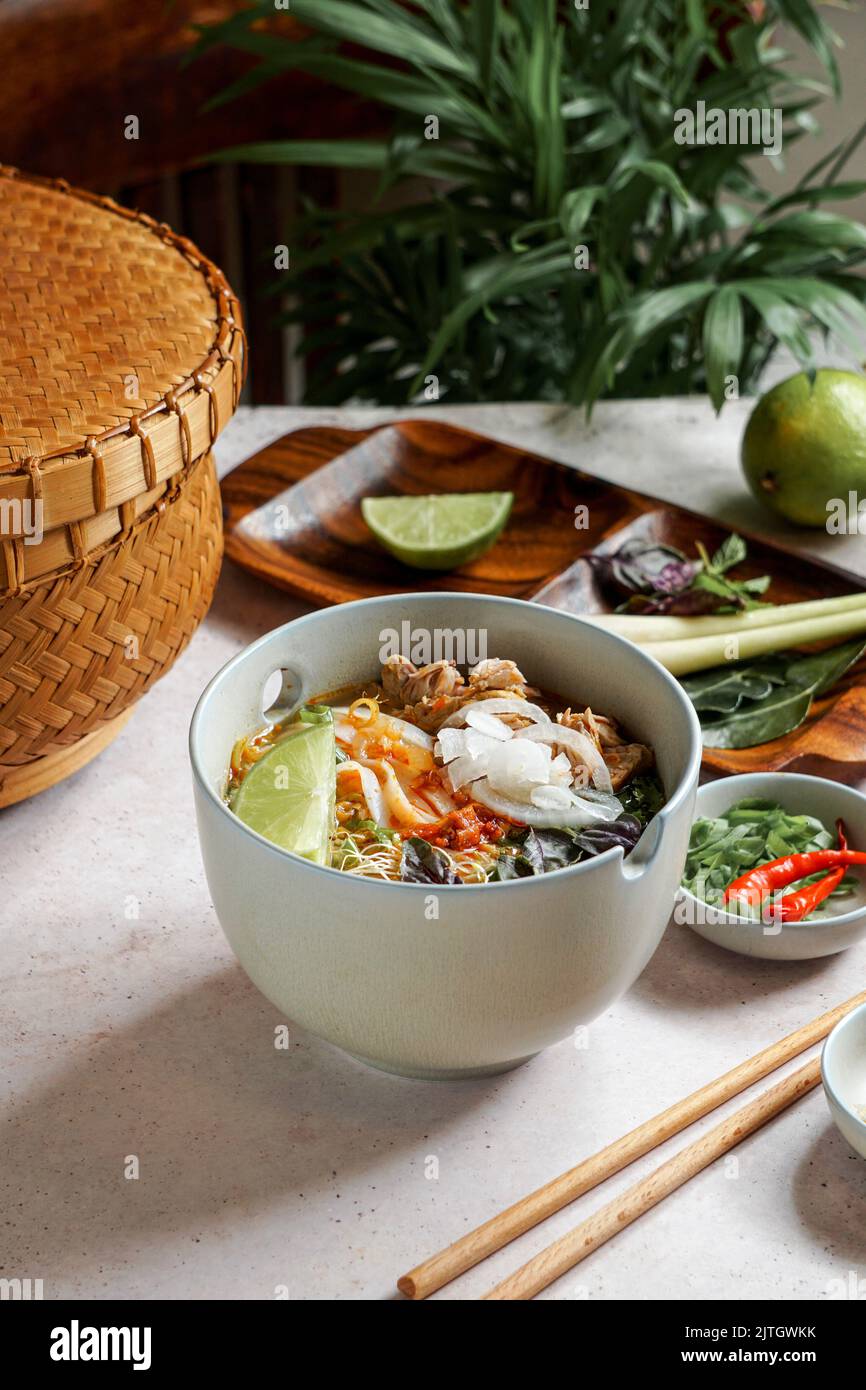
x,y
121,358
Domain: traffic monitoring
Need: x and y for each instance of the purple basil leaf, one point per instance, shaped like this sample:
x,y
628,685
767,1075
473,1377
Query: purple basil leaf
x,y
602,567
697,601
557,848
688,604
676,576
637,565
624,831
424,863
527,861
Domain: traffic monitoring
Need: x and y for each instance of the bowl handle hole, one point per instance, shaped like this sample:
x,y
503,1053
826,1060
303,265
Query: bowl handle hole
x,y
646,849
281,694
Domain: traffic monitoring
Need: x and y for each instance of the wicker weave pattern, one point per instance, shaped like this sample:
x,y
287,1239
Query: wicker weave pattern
x,y
97,301
79,649
122,356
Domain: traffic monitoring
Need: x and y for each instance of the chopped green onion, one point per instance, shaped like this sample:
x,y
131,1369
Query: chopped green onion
x,y
750,833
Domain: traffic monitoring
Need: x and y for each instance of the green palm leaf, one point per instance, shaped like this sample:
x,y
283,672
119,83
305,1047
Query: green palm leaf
x,y
555,130
723,341
399,34
339,154
781,317
506,276
803,17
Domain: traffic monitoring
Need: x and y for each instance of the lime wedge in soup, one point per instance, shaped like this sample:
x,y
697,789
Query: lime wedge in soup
x,y
288,795
438,532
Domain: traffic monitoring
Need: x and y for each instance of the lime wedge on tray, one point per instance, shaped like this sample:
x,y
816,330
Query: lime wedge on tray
x,y
438,532
288,795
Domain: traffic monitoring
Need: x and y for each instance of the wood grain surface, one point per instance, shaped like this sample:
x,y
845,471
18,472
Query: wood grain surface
x,y
297,524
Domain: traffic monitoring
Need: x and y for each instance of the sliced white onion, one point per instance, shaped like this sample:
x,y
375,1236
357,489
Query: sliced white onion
x,y
439,799
450,744
464,770
579,813
477,717
609,800
582,746
371,789
477,744
561,769
403,729
496,706
396,801
516,767
551,798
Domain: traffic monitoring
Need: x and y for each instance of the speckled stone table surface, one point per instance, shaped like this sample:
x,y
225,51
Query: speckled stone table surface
x,y
134,1044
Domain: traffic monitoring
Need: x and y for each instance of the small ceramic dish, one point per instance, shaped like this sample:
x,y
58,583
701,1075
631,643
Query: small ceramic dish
x,y
843,921
843,1071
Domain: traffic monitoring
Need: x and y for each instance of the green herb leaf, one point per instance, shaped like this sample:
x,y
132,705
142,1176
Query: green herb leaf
x,y
316,714
379,832
747,703
751,832
820,672
723,689
732,551
759,721
642,797
529,852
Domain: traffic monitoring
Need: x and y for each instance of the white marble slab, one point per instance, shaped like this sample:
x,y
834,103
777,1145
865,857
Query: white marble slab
x,y
128,1029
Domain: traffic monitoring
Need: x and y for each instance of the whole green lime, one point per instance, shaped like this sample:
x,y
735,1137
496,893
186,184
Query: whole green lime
x,y
805,445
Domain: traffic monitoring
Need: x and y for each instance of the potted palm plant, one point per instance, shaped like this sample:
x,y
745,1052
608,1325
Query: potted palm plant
x,y
585,210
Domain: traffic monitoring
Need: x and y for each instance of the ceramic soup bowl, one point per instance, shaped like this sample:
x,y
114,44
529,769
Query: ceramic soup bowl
x,y
465,980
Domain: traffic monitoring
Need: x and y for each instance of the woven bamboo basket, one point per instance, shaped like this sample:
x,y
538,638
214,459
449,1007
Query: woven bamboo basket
x,y
122,356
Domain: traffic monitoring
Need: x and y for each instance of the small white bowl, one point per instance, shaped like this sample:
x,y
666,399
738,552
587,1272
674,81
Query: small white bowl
x,y
843,922
843,1071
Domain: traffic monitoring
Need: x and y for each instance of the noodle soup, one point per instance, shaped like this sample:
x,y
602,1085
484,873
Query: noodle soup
x,y
425,775
427,981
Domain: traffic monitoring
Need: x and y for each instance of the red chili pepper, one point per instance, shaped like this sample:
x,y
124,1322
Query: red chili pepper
x,y
778,873
795,906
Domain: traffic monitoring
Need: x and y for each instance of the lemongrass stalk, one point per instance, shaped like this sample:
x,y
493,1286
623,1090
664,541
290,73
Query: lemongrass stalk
x,y
648,627
690,654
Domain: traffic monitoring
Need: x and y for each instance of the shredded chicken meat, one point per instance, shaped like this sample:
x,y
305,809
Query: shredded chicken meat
x,y
431,694
624,760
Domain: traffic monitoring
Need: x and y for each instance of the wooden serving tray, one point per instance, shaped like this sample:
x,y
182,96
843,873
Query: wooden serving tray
x,y
302,530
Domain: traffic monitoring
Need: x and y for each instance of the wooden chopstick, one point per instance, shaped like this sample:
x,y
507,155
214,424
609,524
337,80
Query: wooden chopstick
x,y
476,1245
573,1247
